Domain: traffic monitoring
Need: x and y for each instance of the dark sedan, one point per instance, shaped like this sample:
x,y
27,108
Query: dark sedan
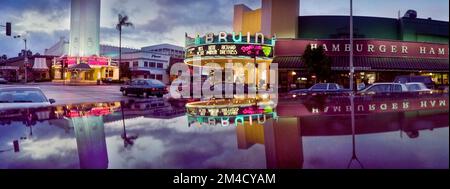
x,y
145,88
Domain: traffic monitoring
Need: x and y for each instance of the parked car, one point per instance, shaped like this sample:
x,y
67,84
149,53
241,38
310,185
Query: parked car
x,y
417,87
377,88
3,80
417,78
23,97
145,88
321,88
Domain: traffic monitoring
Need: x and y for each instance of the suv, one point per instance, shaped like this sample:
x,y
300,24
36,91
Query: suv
x,y
421,79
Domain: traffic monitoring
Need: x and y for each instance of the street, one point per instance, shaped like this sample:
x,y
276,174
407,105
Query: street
x,y
64,94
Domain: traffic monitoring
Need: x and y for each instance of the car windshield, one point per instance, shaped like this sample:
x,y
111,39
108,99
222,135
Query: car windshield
x,y
155,82
22,96
415,86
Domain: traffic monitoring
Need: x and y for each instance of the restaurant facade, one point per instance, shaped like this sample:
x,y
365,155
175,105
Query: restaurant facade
x,y
383,47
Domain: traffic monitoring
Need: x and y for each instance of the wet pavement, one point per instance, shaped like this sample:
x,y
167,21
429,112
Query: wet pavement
x,y
158,133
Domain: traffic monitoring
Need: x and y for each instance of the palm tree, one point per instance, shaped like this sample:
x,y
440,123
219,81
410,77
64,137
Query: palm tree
x,y
122,22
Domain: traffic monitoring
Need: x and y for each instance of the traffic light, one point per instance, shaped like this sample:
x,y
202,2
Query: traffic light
x,y
8,28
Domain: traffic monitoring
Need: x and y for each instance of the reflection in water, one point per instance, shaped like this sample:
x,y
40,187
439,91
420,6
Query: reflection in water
x,y
105,135
91,144
352,117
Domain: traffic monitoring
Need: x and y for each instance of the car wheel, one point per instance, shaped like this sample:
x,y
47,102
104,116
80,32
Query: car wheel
x,y
124,93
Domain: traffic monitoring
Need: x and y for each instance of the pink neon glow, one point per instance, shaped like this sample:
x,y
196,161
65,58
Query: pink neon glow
x,y
250,49
252,111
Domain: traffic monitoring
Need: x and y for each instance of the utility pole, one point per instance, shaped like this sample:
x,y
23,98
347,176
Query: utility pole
x,y
24,38
352,69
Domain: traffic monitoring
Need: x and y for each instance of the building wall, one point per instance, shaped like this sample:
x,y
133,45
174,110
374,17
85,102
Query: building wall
x,y
423,30
331,27
142,62
405,29
280,18
246,20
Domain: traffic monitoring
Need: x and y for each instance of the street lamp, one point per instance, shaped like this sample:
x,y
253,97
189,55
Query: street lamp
x,y
24,38
352,69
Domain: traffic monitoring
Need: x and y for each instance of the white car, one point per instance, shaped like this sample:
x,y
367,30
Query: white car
x,y
385,88
417,87
23,97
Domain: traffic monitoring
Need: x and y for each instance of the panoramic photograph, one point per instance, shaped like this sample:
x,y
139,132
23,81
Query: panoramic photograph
x,y
235,84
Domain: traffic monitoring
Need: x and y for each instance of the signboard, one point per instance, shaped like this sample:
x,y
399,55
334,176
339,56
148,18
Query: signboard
x,y
230,50
364,47
92,60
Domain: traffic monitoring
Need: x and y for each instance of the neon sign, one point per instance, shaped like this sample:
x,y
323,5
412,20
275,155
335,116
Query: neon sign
x,y
230,50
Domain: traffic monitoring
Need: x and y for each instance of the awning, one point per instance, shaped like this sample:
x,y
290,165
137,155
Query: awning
x,y
365,63
40,64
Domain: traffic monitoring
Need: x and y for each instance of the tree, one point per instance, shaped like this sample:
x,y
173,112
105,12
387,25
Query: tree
x,y
122,22
317,63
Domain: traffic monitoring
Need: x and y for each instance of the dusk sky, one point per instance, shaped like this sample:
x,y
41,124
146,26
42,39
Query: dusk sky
x,y
166,21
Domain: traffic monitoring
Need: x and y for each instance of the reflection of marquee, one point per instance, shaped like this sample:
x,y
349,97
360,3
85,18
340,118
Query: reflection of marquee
x,y
229,113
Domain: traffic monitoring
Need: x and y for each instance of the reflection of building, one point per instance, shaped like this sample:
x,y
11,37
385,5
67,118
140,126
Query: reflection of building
x,y
281,139
91,143
383,47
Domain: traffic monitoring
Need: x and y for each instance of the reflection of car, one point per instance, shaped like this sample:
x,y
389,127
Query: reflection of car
x,y
21,97
145,87
3,81
417,87
385,88
421,79
321,88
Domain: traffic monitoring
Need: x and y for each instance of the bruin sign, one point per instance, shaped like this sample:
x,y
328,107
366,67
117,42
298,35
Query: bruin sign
x,y
363,47
224,37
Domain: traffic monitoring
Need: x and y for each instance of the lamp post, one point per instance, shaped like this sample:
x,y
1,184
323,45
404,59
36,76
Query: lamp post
x,y
352,69
24,38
